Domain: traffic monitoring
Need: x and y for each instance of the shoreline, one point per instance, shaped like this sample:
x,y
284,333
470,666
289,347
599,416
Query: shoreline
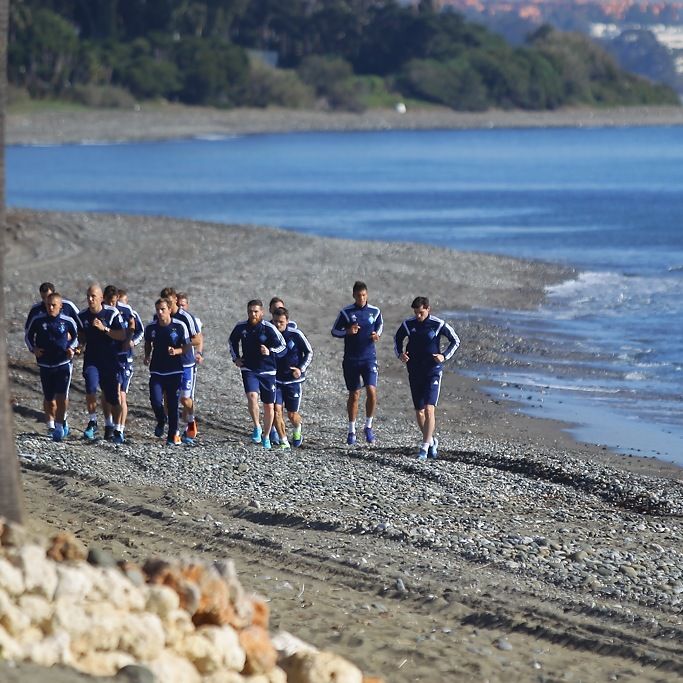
x,y
517,551
165,122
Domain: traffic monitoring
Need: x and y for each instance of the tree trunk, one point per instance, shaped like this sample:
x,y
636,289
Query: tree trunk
x,y
10,486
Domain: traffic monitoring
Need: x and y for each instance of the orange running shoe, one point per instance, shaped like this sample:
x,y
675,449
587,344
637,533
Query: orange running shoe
x,y
174,440
191,430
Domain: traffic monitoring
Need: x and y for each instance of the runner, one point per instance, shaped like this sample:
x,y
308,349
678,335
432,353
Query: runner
x,y
360,325
135,333
69,309
102,334
167,341
260,344
189,363
53,338
291,374
424,359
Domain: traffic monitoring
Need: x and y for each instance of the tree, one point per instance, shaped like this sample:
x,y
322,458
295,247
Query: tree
x,y
10,487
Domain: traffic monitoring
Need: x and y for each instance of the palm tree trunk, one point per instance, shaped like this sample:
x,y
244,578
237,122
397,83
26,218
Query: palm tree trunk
x,y
10,485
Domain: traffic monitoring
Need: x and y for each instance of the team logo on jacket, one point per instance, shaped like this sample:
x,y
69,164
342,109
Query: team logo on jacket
x,y
174,336
62,327
371,319
263,339
431,334
290,344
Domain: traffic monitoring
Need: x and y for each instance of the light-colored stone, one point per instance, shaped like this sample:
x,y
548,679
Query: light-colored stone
x,y
98,663
120,590
226,642
11,579
169,667
212,649
73,582
40,574
11,617
224,677
142,636
37,608
50,651
162,601
95,626
9,648
320,667
286,644
178,626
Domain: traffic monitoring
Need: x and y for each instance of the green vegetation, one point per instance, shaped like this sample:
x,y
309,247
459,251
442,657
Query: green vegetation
x,y
339,54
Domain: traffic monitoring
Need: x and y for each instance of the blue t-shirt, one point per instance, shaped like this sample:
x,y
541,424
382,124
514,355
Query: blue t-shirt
x,y
54,335
193,329
424,341
250,338
69,309
358,347
298,354
128,314
160,336
100,349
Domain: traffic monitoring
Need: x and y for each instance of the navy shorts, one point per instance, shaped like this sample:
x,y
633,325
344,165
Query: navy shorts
x,y
264,384
289,395
107,378
188,382
56,381
425,388
126,375
359,374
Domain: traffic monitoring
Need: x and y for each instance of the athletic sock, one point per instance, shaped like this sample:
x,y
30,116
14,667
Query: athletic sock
x,y
92,417
108,422
368,422
352,427
119,428
425,446
50,424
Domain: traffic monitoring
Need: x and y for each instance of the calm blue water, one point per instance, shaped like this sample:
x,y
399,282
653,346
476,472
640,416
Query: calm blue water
x,y
609,201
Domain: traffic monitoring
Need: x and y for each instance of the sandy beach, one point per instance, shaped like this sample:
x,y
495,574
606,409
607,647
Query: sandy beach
x,y
157,122
518,555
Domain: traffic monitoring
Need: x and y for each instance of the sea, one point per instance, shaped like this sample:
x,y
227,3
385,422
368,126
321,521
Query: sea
x,y
607,201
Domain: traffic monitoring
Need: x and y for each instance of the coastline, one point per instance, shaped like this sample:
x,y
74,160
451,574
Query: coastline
x,y
518,553
163,122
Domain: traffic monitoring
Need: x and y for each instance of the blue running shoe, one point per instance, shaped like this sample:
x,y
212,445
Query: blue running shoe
x,y
65,429
369,435
266,443
187,439
433,450
89,432
50,431
274,437
350,439
108,432
256,435
422,454
58,433
117,438
160,429
297,439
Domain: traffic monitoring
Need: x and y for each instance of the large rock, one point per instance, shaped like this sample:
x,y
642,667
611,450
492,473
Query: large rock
x,y
213,648
320,667
169,667
11,578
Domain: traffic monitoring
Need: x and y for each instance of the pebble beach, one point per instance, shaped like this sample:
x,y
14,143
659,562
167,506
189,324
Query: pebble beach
x,y
518,554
